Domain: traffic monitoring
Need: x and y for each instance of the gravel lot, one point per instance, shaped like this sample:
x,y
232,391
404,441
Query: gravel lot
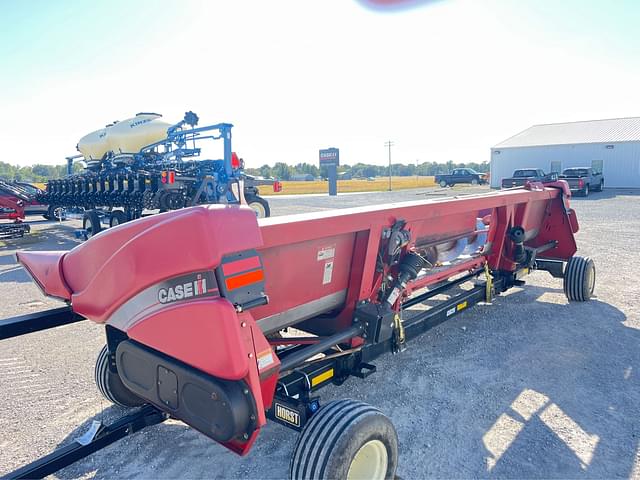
x,y
528,387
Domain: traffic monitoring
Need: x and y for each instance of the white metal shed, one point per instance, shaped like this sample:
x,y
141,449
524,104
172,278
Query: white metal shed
x,y
612,146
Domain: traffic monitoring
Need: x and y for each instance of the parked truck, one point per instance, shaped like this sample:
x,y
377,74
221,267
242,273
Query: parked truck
x,y
583,180
523,175
461,175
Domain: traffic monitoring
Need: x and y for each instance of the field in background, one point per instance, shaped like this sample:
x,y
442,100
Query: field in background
x,y
376,185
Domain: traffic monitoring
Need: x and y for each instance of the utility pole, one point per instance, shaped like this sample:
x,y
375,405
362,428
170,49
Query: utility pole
x,y
389,144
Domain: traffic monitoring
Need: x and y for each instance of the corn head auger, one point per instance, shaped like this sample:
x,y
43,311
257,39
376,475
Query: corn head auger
x,y
207,338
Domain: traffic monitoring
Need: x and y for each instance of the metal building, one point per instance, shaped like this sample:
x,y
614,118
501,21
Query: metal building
x,y
612,146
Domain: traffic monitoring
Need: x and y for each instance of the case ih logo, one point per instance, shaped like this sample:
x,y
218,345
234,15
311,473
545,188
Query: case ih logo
x,y
182,291
330,156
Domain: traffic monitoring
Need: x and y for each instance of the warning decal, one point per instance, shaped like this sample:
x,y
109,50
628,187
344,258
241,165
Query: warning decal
x,y
328,273
265,359
326,253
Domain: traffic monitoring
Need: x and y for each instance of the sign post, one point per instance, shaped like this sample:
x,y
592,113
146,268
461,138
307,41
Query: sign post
x,y
330,158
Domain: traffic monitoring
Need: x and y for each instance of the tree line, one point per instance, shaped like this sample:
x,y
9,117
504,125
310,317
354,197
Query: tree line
x,y
283,171
34,173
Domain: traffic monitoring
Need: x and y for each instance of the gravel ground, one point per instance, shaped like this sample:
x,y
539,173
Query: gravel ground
x,y
528,387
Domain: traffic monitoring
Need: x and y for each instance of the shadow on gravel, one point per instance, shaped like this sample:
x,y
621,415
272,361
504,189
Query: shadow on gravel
x,y
54,237
574,411
607,193
174,450
529,389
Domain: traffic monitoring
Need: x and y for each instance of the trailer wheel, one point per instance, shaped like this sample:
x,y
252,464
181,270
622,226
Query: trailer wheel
x,y
91,223
443,183
346,439
579,279
116,218
110,385
259,205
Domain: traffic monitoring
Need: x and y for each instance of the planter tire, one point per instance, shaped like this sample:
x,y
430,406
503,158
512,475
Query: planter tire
x,y
258,205
117,217
91,223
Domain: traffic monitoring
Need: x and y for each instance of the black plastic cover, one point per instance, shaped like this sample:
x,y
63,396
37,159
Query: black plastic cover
x,y
221,409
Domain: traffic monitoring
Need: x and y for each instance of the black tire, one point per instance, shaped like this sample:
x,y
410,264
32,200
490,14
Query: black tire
x,y
346,434
474,181
579,279
259,205
585,190
601,186
110,385
91,223
54,212
116,218
443,183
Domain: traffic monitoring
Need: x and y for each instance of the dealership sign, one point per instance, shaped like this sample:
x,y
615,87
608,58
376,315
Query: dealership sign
x,y
329,156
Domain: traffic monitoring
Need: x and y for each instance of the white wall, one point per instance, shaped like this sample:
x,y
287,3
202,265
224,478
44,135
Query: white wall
x,y
621,163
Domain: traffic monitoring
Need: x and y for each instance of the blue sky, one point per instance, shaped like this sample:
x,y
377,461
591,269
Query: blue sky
x,y
445,80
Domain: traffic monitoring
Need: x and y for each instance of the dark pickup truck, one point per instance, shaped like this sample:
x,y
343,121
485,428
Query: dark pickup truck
x,y
524,175
461,175
583,180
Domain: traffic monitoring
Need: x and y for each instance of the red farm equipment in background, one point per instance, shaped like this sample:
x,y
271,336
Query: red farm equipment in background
x,y
261,314
13,200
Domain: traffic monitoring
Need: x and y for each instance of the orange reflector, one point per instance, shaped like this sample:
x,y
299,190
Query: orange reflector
x,y
244,279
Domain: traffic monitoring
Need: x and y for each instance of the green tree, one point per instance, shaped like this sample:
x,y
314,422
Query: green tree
x,y
281,171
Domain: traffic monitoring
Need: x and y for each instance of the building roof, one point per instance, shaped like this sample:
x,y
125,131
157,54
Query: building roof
x,y
591,131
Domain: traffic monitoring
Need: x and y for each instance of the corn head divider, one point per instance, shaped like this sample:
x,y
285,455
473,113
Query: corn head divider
x,y
206,337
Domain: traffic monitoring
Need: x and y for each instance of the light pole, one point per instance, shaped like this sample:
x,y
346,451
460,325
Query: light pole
x,y
389,144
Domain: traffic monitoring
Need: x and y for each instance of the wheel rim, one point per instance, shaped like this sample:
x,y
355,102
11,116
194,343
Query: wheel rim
x,y
115,222
257,207
443,184
370,462
58,213
474,182
591,280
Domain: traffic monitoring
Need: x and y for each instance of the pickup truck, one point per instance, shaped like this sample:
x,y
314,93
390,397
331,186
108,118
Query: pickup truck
x,y
524,175
461,175
582,180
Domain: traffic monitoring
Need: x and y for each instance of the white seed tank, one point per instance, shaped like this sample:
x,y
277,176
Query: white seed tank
x,y
127,136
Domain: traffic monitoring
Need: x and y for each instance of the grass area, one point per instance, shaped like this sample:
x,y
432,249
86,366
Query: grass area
x,y
376,185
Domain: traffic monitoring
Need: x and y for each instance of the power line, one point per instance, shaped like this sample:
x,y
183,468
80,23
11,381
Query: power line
x,y
389,144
